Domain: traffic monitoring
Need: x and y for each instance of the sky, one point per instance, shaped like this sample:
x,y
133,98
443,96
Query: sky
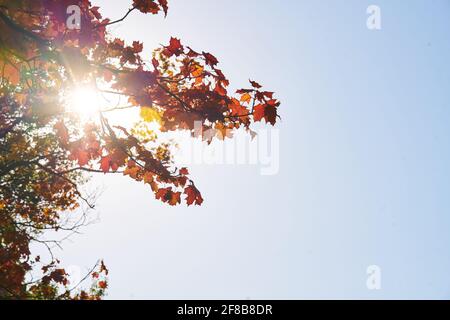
x,y
363,179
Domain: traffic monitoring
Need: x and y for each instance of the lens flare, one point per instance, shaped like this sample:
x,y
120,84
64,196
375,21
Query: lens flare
x,y
84,101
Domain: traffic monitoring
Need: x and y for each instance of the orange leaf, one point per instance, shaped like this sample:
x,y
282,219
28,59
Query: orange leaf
x,y
12,74
105,164
246,98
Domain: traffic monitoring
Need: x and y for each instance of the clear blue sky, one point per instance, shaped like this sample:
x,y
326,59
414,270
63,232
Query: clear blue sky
x,y
364,161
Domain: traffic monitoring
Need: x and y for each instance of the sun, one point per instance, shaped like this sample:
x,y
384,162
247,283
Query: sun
x,y
84,100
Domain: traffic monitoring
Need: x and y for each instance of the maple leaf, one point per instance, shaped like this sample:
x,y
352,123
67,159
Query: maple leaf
x,y
108,75
146,6
210,59
58,275
268,112
137,46
103,267
236,108
193,195
246,98
150,114
96,13
220,89
184,87
155,63
167,195
132,172
105,164
197,71
175,198
223,131
242,91
148,177
255,85
174,47
102,284
11,73
81,155
62,132
164,5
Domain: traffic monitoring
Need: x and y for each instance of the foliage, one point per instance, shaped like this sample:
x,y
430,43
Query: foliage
x,y
46,150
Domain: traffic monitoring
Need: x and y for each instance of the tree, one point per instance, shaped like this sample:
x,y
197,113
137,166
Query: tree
x,y
46,150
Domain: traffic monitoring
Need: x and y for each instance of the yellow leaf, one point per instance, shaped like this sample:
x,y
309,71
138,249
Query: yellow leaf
x,y
197,71
150,114
246,97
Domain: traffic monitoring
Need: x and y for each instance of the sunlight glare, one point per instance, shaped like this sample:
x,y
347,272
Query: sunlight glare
x,y
84,101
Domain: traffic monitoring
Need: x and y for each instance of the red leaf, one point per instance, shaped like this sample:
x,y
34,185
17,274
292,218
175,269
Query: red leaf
x,y
95,12
137,46
236,108
62,132
193,195
155,63
184,171
210,59
102,284
174,47
268,112
163,4
103,268
220,89
255,85
81,155
146,6
105,164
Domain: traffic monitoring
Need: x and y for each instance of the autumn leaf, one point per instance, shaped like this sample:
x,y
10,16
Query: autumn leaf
x,y
164,5
62,132
236,108
220,89
175,198
174,48
210,59
155,63
150,114
11,73
131,171
268,112
246,98
148,177
81,155
105,164
146,6
223,131
255,85
197,71
49,151
193,196
103,267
